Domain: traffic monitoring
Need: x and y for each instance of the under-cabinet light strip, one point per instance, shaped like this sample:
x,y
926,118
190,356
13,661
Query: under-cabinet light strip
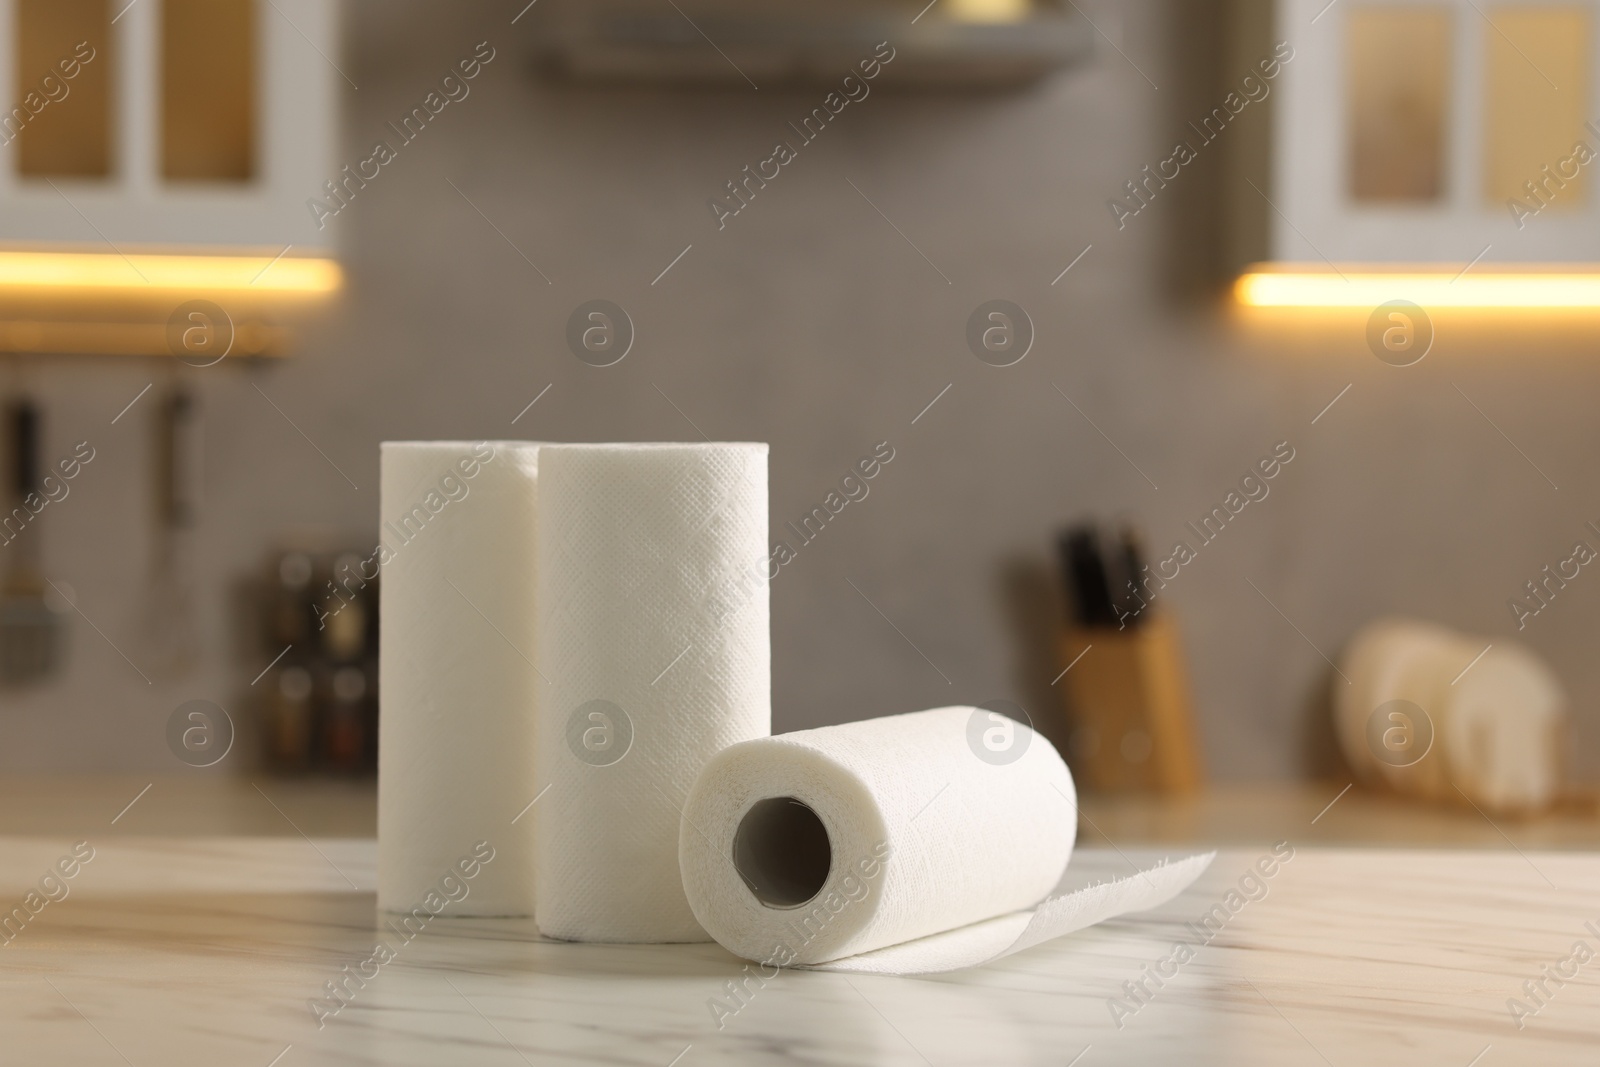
x,y
139,271
1428,289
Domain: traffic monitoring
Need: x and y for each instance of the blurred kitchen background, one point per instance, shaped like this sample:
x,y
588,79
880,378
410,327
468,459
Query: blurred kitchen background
x,y
829,315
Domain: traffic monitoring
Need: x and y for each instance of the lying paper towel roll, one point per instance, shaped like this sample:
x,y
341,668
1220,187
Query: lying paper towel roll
x,y
457,686
653,631
917,840
1445,716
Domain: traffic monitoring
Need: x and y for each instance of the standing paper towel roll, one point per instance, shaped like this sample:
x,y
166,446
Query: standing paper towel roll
x,y
457,685
896,838
653,631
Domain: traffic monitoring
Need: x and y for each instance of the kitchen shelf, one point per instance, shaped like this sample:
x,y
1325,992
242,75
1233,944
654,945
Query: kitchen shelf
x,y
973,44
142,303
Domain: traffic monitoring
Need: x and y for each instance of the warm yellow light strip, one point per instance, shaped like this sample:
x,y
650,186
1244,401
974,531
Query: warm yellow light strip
x,y
1368,289
987,10
146,272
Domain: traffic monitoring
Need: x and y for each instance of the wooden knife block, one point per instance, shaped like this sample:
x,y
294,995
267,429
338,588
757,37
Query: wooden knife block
x,y
1128,704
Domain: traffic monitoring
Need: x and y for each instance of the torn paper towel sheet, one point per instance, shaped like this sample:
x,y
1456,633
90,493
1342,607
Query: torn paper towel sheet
x,y
457,686
985,942
653,631
907,844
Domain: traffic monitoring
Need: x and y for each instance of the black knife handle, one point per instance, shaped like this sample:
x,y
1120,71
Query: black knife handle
x,y
1088,584
25,447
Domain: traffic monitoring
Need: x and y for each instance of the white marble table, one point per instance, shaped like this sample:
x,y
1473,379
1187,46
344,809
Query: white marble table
x,y
206,951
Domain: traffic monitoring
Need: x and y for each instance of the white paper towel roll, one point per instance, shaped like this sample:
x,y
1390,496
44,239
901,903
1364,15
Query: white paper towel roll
x,y
905,844
653,631
457,685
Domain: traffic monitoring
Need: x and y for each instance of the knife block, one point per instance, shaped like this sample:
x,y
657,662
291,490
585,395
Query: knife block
x,y
1129,708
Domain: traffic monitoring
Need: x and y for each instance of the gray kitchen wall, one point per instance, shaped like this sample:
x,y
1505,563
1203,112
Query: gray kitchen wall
x,y
810,322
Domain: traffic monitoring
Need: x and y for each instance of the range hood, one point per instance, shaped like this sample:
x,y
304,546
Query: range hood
x,y
956,43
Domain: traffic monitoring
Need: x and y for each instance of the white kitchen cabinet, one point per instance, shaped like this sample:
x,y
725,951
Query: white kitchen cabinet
x,y
1407,131
246,189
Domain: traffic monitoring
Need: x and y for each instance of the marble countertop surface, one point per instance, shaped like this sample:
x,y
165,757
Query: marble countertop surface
x,y
210,950
1330,812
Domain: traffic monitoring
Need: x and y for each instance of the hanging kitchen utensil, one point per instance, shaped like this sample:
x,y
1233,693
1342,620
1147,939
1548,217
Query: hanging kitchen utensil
x,y
169,632
30,629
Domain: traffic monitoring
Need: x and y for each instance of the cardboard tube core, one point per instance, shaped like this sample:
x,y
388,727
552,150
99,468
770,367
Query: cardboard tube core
x,y
782,851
